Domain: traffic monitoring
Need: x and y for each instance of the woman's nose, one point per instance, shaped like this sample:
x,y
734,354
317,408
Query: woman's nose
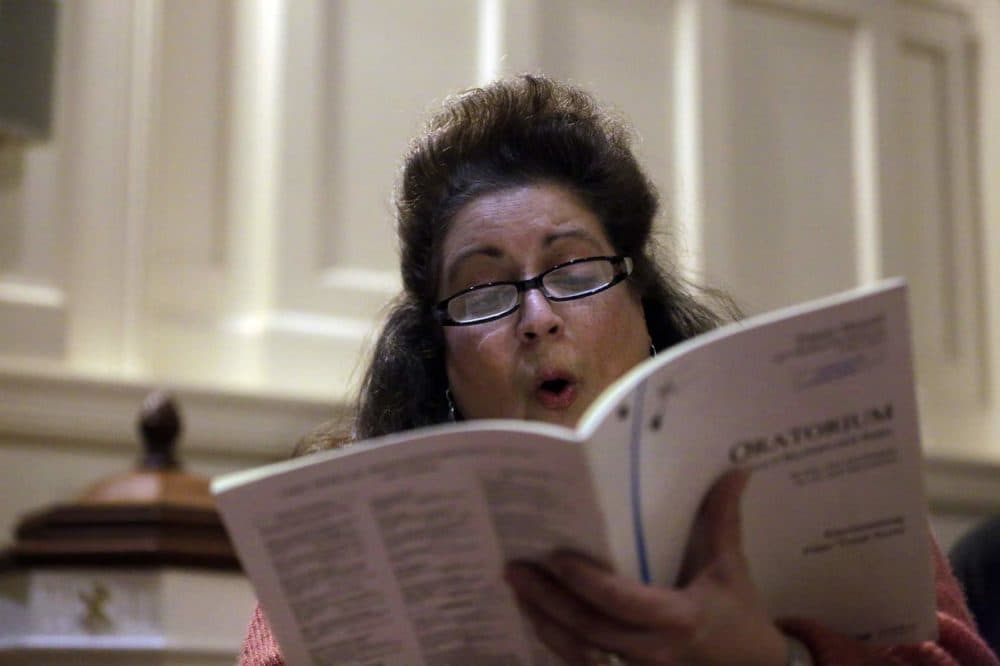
x,y
537,318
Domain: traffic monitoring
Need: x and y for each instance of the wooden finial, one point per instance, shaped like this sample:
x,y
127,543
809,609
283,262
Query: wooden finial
x,y
156,514
160,427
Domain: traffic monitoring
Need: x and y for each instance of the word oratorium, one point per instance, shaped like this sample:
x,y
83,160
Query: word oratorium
x,y
810,433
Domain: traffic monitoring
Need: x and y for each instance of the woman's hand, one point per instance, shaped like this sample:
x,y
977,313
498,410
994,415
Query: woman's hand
x,y
582,611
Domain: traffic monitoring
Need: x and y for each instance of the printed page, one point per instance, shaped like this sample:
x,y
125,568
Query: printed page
x,y
394,554
819,401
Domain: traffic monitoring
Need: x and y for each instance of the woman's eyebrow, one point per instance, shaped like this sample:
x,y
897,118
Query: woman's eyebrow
x,y
494,252
490,251
581,234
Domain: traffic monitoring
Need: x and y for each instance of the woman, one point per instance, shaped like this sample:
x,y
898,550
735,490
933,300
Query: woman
x,y
529,184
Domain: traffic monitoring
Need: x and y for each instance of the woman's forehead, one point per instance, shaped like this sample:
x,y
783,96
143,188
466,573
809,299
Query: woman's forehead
x,y
518,217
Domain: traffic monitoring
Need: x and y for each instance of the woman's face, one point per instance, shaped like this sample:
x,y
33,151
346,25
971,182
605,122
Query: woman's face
x,y
545,361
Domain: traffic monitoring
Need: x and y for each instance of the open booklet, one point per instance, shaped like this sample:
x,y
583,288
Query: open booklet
x,y
391,551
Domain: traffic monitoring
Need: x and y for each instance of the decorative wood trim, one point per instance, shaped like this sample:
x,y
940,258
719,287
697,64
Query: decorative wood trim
x,y
46,405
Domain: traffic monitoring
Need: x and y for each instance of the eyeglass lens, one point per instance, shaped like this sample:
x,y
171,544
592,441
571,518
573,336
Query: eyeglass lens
x,y
562,283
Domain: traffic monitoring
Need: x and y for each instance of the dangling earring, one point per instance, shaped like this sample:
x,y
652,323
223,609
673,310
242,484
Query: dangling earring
x,y
652,350
451,405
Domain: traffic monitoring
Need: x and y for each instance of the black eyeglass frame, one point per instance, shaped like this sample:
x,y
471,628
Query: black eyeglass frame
x,y
622,265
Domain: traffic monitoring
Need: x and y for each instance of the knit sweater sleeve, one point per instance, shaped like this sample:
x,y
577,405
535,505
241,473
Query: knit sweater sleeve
x,y
958,642
259,647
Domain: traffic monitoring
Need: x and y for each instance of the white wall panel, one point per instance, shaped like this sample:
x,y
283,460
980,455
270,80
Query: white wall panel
x,y
936,241
188,212
32,296
109,56
926,242
34,232
69,286
382,61
358,77
624,54
189,265
791,231
29,219
354,82
186,250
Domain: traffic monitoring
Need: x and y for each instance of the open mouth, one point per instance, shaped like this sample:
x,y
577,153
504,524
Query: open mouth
x,y
556,392
554,386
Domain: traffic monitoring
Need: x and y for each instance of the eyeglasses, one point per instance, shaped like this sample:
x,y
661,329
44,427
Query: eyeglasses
x,y
565,282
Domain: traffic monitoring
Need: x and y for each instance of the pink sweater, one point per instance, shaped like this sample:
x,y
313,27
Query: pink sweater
x,y
958,643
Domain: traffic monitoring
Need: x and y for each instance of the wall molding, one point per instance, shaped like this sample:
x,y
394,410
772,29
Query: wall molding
x,y
962,486
41,404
